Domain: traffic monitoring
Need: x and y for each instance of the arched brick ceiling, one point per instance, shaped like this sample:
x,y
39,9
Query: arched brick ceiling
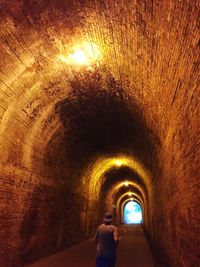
x,y
116,177
70,114
33,80
128,199
132,190
66,123
113,194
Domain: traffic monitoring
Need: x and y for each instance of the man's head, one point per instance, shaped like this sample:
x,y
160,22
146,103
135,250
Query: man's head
x,y
108,218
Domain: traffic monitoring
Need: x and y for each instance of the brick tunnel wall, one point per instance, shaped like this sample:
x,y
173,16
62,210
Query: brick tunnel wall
x,y
39,216
175,220
41,188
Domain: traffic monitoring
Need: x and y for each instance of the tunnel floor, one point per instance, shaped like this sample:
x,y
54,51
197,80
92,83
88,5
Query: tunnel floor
x,y
133,251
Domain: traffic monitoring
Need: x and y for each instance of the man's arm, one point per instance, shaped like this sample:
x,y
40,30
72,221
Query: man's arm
x,y
96,237
116,236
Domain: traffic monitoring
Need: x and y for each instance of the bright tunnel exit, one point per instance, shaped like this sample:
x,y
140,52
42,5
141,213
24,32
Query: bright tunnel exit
x,y
132,213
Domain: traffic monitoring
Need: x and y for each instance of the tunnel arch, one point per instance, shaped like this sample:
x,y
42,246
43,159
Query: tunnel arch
x,y
40,145
150,63
101,166
97,178
120,187
120,205
96,174
126,196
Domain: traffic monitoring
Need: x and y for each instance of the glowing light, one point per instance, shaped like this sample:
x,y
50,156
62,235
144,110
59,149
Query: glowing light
x,y
126,184
84,55
118,162
80,57
132,213
130,194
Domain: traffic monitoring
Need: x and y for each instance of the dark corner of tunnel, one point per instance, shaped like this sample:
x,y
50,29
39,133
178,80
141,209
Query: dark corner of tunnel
x,y
38,219
161,258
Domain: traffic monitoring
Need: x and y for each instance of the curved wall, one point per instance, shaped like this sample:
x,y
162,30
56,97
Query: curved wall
x,y
64,125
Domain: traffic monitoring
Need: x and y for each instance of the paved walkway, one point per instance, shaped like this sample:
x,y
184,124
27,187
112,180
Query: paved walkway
x,y
133,251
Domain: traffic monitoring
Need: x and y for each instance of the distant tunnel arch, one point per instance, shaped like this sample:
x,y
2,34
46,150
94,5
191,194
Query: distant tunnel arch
x,y
123,200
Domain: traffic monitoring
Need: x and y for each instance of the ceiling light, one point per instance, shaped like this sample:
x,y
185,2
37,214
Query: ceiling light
x,y
84,54
118,162
126,183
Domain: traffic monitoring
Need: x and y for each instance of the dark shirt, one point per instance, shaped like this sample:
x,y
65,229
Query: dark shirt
x,y
107,239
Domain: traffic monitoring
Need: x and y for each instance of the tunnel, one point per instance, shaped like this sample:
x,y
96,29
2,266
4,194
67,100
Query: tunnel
x,y
99,105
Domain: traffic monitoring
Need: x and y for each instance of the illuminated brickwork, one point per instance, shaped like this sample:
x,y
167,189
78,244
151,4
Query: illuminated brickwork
x,y
94,94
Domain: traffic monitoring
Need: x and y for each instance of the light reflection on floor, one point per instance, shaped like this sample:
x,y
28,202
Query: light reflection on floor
x,y
132,213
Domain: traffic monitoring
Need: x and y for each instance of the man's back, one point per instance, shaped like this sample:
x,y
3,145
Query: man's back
x,y
106,237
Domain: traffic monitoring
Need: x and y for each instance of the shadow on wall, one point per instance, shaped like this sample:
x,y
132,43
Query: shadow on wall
x,y
48,223
99,117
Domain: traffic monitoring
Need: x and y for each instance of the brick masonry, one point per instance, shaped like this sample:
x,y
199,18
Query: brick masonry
x,y
55,120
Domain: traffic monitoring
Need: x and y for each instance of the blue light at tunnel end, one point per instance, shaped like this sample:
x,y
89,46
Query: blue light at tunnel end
x,y
132,213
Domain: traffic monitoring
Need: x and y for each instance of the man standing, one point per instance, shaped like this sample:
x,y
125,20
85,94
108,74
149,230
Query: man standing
x,y
107,239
